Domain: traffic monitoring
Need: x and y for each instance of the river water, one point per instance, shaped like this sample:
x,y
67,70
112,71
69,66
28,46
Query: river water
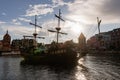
x,y
90,67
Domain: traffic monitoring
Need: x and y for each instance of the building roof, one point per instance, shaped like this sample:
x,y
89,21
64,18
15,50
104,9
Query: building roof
x,y
81,35
6,35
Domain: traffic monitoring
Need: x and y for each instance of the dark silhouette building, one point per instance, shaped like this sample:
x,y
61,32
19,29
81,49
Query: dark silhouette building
x,y
18,43
115,39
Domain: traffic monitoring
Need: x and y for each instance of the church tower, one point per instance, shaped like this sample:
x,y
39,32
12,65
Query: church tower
x,y
81,42
6,42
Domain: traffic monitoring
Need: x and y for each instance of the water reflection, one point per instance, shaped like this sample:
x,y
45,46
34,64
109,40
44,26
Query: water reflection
x,y
52,73
91,67
103,66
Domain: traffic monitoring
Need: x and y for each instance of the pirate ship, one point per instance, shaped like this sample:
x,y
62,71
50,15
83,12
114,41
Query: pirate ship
x,y
56,53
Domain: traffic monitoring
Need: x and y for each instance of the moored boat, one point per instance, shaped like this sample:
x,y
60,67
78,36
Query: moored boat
x,y
65,55
56,53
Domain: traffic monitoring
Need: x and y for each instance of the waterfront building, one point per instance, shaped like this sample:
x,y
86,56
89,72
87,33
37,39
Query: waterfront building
x,y
28,42
93,43
104,42
18,43
0,45
115,39
6,42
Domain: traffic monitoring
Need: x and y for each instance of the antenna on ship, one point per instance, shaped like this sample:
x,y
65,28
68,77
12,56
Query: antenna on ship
x,y
58,28
35,33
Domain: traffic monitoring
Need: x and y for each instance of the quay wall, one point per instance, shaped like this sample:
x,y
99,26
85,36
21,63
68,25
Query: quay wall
x,y
12,53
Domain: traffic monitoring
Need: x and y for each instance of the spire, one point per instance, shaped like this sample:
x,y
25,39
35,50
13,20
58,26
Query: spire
x,y
6,36
7,32
81,35
81,41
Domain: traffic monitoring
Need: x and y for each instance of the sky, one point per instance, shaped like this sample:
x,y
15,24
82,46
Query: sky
x,y
79,15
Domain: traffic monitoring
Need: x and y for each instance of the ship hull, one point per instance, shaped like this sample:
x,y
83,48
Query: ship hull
x,y
51,58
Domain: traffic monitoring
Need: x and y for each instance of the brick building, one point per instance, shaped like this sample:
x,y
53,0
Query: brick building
x,y
102,42
5,43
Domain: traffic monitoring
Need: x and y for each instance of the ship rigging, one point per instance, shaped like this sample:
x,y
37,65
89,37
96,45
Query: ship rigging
x,y
35,33
58,28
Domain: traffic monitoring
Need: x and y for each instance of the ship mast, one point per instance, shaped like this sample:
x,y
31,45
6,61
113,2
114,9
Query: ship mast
x,y
58,28
35,33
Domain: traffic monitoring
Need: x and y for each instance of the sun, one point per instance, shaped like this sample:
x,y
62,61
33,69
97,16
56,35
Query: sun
x,y
76,28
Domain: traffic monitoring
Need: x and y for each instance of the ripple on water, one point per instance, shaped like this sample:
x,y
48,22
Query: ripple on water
x,y
90,67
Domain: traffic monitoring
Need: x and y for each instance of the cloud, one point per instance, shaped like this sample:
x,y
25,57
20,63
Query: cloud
x,y
19,21
111,9
43,9
66,27
80,13
50,24
86,11
57,3
2,22
4,14
16,22
17,31
83,11
24,19
40,9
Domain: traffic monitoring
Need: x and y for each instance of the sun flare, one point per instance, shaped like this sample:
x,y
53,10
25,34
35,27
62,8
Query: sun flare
x,y
76,28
